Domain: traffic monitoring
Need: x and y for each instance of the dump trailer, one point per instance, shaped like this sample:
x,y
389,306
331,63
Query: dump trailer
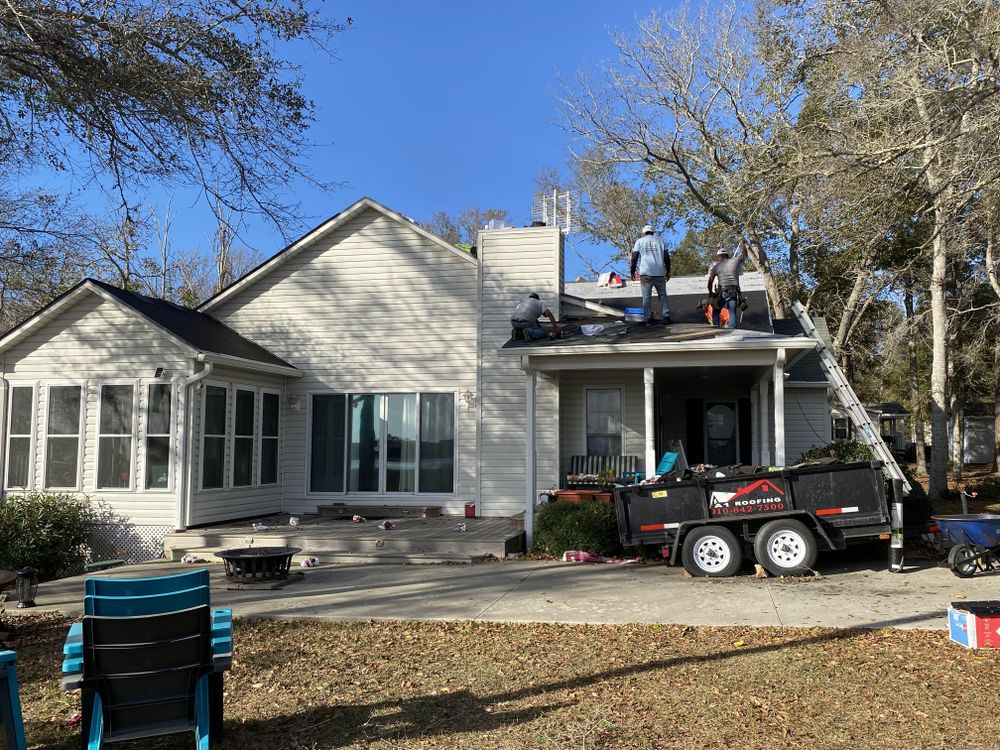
x,y
783,518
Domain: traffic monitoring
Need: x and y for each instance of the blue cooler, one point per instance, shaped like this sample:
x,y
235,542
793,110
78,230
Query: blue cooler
x,y
634,315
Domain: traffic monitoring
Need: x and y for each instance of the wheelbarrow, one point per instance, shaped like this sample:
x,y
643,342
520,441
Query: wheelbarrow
x,y
975,539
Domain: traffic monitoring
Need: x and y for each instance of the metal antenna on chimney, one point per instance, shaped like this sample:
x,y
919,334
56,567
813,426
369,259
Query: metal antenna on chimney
x,y
554,210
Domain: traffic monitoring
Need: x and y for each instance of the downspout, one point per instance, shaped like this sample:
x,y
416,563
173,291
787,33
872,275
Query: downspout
x,y
187,442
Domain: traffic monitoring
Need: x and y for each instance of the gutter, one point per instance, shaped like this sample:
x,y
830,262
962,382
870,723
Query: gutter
x,y
187,387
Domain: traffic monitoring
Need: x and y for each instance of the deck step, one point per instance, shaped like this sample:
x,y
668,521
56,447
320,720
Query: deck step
x,y
344,510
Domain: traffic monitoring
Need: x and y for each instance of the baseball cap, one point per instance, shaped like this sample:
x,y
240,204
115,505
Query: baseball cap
x,y
648,229
722,251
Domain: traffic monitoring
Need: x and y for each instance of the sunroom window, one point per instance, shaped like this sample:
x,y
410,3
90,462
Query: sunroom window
x,y
115,437
62,437
158,429
213,454
21,411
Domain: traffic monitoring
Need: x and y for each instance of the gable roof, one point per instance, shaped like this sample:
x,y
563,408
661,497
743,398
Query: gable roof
x,y
335,221
195,332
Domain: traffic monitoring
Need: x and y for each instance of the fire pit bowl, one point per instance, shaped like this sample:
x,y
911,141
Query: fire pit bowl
x,y
258,563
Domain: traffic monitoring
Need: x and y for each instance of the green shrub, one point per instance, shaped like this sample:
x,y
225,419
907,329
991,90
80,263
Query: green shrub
x,y
847,451
589,526
46,531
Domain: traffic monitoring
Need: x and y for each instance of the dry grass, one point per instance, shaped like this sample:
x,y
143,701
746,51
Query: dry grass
x,y
314,684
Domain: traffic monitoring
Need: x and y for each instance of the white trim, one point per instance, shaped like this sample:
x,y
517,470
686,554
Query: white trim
x,y
689,345
621,412
261,437
231,430
134,436
171,436
32,436
252,364
326,227
225,437
80,435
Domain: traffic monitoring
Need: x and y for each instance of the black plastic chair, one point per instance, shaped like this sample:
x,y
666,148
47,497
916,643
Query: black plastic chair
x,y
149,676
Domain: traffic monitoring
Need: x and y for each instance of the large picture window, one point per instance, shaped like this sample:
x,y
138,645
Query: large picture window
x,y
62,437
270,424
604,422
158,429
20,421
116,426
213,453
243,419
386,443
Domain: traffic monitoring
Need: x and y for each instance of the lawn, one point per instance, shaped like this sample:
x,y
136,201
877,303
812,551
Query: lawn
x,y
317,684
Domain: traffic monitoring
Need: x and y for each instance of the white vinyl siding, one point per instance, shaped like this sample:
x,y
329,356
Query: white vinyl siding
x,y
372,307
807,421
515,263
99,342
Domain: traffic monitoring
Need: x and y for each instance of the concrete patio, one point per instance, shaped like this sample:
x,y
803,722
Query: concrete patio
x,y
860,593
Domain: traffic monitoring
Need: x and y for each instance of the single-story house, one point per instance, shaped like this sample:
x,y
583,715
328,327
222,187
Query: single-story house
x,y
371,362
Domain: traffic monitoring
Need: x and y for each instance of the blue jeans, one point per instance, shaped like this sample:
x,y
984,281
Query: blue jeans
x,y
649,283
534,330
730,298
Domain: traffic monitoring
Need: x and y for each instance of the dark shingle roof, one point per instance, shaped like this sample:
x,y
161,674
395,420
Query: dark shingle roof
x,y
199,330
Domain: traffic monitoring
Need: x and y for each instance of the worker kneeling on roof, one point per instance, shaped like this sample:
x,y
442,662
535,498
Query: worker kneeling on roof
x,y
524,320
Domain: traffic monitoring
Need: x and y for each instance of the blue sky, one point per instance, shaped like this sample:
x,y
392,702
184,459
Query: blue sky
x,y
437,106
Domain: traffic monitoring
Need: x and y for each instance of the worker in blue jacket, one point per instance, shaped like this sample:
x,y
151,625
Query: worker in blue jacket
x,y
651,265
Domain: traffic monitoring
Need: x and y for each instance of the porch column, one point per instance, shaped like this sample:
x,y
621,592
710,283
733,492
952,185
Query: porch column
x,y
529,460
647,380
755,426
779,409
765,436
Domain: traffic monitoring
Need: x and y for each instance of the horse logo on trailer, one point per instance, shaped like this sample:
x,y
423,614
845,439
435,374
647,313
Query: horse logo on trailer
x,y
760,496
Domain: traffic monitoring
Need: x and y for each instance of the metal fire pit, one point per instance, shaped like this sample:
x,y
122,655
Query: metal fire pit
x,y
251,564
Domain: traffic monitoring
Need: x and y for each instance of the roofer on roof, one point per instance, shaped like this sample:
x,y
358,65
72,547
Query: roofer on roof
x,y
524,319
651,258
727,272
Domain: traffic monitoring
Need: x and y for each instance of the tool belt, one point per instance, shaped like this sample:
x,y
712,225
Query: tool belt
x,y
729,292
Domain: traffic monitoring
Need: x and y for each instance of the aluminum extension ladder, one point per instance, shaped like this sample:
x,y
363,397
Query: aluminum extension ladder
x,y
867,430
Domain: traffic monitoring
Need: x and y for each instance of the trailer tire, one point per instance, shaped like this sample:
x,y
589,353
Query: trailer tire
x,y
785,547
712,551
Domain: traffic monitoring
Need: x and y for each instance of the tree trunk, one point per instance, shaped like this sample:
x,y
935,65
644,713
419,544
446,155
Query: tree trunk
x,y
957,437
996,400
916,397
939,362
851,308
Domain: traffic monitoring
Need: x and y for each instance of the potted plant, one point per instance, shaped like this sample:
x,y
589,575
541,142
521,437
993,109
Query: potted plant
x,y
606,480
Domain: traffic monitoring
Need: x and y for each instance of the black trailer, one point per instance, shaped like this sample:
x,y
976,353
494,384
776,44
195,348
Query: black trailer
x,y
783,517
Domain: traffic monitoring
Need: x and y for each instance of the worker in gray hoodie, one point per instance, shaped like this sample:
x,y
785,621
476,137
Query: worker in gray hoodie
x,y
651,260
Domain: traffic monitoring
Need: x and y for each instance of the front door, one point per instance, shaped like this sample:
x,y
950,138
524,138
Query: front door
x,y
721,433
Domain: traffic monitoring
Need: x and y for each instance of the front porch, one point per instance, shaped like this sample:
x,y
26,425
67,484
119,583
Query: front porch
x,y
338,540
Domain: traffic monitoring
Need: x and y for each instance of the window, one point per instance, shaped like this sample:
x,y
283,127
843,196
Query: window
x,y
114,439
243,419
158,429
366,433
721,433
437,442
604,422
388,443
62,437
21,415
270,422
213,453
326,464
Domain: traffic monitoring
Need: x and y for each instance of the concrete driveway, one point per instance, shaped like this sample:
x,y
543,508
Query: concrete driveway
x,y
855,594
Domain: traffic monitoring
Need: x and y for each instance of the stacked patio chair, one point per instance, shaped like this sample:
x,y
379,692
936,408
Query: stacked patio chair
x,y
149,658
11,724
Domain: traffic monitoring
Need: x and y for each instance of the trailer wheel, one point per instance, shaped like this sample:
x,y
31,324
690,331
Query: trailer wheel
x,y
962,561
712,551
785,547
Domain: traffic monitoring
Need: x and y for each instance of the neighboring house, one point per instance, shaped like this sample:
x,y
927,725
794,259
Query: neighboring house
x,y
370,363
890,416
978,434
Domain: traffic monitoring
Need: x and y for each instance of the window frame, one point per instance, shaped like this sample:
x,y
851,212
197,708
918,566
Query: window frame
x,y
276,438
383,414
254,430
32,436
621,414
225,436
80,434
134,435
146,434
735,405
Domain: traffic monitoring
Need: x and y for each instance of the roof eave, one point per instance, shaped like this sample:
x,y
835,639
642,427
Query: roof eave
x,y
805,345
250,364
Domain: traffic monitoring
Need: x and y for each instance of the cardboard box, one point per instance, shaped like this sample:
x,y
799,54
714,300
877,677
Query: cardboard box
x,y
975,624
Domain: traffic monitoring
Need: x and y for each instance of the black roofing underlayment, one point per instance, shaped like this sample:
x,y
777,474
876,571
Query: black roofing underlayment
x,y
200,330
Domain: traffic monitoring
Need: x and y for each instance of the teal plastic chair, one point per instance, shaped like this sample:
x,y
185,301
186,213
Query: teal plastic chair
x,y
666,465
11,722
134,598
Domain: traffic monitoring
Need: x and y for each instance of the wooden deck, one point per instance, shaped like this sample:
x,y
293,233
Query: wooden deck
x,y
411,540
